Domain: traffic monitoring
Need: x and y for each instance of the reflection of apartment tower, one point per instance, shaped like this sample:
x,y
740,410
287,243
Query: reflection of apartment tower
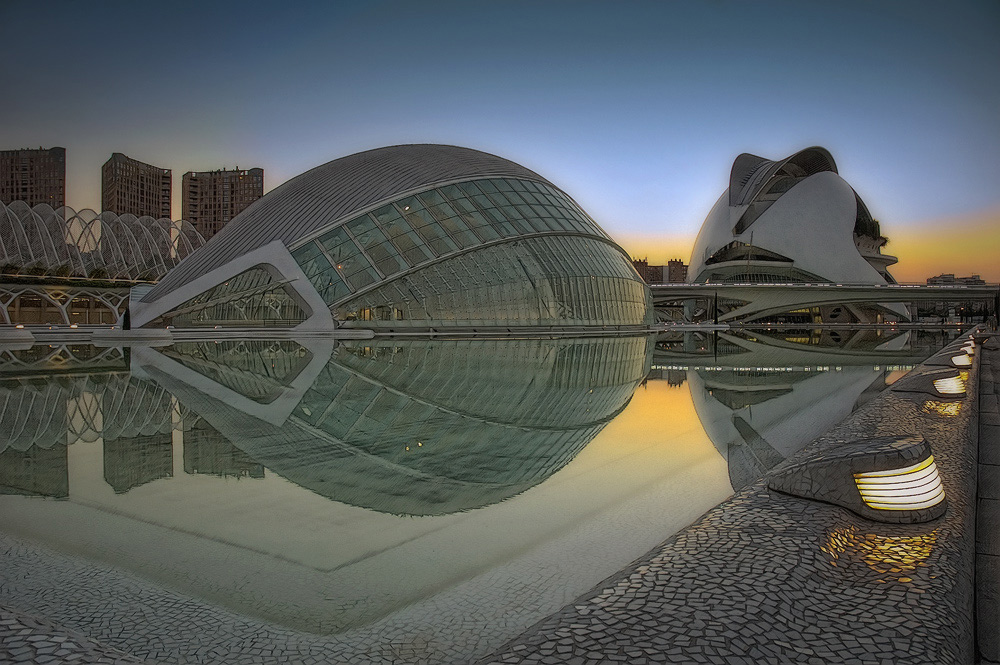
x,y
209,199
36,471
33,176
133,461
206,451
129,186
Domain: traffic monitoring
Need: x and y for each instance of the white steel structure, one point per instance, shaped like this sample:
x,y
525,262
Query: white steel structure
x,y
62,242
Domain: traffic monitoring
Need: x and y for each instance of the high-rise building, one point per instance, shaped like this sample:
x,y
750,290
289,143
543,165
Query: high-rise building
x,y
33,176
129,186
677,271
209,199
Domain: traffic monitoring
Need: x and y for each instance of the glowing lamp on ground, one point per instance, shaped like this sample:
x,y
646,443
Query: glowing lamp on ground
x,y
961,360
948,383
885,479
910,488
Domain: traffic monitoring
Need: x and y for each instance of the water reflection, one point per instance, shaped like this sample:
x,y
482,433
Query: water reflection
x,y
761,394
375,483
412,427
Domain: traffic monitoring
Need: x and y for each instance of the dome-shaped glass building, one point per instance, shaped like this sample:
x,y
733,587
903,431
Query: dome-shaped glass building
x,y
410,237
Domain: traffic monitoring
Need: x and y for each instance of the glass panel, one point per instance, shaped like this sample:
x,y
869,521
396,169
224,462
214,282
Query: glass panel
x,y
430,231
406,240
376,245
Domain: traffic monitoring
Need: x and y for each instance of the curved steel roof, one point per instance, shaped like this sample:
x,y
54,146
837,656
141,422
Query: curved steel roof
x,y
335,191
750,172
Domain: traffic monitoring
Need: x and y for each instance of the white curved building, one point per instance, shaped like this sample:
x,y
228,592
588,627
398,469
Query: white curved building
x,y
406,237
791,220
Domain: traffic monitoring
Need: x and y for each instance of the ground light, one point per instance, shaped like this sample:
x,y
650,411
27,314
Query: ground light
x,y
910,488
884,479
946,384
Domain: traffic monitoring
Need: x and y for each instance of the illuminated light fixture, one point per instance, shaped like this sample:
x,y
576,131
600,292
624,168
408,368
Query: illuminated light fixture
x,y
961,360
910,488
19,326
947,383
950,385
884,479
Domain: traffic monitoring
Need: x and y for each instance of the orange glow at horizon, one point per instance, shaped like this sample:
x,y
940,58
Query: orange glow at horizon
x,y
968,245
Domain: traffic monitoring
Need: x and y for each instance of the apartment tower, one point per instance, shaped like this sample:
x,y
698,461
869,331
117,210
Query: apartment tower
x,y
209,199
129,186
33,176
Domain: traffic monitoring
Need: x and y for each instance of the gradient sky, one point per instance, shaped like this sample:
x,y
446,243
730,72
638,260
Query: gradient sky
x,y
636,109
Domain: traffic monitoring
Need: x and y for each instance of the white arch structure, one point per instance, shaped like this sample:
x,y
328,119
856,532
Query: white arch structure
x,y
41,241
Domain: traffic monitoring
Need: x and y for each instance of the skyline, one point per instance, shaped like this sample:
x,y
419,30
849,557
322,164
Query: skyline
x,y
636,111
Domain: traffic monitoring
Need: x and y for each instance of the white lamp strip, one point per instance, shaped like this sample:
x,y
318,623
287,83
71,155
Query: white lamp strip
x,y
910,488
950,386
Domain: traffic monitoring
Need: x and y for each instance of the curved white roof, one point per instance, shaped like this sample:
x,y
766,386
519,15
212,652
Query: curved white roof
x,y
335,191
798,211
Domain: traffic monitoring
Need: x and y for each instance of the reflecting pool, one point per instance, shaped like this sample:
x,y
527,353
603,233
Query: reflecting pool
x,y
455,489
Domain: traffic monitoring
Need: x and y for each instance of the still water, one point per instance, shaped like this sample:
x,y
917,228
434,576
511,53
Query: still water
x,y
338,488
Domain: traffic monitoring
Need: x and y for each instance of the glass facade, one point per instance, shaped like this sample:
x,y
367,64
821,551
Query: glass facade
x,y
255,297
490,252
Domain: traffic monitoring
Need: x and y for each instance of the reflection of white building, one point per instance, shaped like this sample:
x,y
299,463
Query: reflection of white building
x,y
792,220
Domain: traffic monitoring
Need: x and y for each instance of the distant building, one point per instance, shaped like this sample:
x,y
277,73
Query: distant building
x,y
209,199
33,176
650,274
949,278
677,271
129,186
674,271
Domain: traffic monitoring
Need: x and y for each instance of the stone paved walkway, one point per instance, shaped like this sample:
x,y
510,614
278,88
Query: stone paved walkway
x,y
29,640
770,578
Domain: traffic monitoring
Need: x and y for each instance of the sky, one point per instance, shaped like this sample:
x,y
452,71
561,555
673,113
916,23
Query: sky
x,y
635,109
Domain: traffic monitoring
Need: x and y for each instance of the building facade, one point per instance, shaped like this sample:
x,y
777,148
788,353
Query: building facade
x,y
131,187
209,199
33,176
410,237
950,279
676,271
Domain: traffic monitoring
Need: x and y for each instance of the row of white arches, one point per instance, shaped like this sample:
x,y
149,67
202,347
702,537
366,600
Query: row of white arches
x,y
62,242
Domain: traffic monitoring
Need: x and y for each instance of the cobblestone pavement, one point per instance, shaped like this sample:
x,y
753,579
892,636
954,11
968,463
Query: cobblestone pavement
x,y
25,639
770,578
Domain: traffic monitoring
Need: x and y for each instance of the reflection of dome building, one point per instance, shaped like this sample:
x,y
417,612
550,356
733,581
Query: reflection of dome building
x,y
426,427
415,236
793,220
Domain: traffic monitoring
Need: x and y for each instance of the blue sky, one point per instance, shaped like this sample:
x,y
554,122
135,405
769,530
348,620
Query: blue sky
x,y
636,109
